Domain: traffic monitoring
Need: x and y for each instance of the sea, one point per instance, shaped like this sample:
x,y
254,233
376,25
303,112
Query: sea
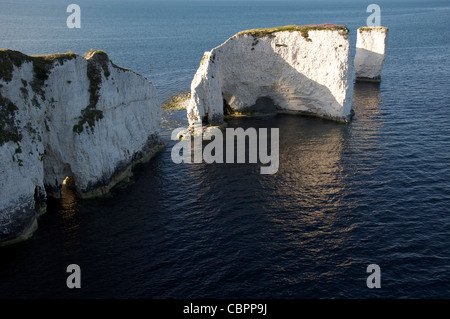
x,y
346,196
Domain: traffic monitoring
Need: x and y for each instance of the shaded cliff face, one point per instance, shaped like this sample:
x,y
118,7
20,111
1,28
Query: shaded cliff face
x,y
64,115
303,69
371,45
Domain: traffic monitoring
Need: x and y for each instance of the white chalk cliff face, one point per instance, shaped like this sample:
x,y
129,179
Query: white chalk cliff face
x,y
371,44
303,69
65,115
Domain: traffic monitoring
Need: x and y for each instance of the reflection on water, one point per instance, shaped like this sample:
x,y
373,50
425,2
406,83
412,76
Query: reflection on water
x,y
310,186
299,216
303,216
365,141
68,212
366,99
68,200
366,102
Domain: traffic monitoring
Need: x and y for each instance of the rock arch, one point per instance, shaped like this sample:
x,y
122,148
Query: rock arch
x,y
304,69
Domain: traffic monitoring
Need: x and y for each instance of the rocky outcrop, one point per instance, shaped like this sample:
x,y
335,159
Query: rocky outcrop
x,y
302,69
64,116
371,44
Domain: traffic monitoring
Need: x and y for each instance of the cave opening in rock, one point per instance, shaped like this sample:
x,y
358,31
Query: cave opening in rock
x,y
68,199
264,104
227,108
68,184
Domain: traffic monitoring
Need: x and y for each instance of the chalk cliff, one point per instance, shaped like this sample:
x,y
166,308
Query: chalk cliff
x,y
64,115
371,44
303,69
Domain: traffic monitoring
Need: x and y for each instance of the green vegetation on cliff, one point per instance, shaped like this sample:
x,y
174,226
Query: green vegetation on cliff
x,y
304,30
9,131
42,64
368,29
97,62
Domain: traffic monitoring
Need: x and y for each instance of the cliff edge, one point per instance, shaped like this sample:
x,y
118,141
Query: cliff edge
x,y
64,115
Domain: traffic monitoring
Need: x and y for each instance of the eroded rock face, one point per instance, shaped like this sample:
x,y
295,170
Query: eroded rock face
x,y
303,69
64,115
371,44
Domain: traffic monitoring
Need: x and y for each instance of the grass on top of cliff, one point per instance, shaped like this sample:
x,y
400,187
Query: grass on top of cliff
x,y
365,29
98,62
303,29
41,63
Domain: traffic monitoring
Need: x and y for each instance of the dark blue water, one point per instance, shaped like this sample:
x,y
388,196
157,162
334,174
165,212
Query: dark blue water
x,y
345,196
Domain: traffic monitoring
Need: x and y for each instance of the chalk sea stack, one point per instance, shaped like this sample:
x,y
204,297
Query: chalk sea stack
x,y
371,45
